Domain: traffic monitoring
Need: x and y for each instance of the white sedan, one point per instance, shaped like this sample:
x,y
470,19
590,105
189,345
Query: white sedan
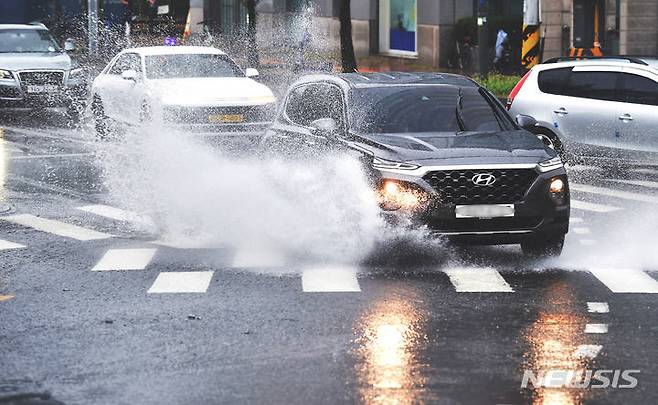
x,y
200,88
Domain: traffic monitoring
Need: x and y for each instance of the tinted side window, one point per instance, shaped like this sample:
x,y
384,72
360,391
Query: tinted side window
x,y
478,113
125,62
596,85
553,81
639,90
311,102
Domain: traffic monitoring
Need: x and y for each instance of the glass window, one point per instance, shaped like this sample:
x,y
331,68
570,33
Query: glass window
x,y
596,85
27,41
311,102
639,90
398,26
127,61
408,109
178,66
553,81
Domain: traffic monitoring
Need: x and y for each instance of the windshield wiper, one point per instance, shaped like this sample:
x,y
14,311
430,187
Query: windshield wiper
x,y
458,112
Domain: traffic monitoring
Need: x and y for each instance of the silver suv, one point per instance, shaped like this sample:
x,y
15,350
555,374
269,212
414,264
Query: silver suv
x,y
598,109
36,72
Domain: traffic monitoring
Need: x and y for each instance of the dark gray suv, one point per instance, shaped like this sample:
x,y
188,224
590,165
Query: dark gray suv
x,y
35,72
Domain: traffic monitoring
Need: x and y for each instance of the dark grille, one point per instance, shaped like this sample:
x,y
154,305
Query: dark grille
x,y
40,78
9,92
457,187
479,225
201,115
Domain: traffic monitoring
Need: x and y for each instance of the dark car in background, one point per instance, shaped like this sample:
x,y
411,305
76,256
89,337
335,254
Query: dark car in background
x,y
440,150
36,72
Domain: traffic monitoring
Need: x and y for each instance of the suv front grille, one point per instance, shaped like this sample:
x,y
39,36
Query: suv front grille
x,y
40,78
457,187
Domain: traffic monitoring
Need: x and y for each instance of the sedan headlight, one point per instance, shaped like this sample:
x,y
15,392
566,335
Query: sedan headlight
x,y
550,164
6,75
76,74
379,163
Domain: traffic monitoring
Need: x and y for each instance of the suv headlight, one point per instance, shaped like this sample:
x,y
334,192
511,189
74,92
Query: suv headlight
x,y
379,163
6,75
550,164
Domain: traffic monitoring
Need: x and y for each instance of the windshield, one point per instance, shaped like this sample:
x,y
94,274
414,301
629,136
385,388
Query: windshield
x,y
180,66
27,40
423,108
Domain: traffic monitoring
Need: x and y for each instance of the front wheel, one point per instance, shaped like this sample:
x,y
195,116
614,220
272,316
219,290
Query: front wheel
x,y
544,248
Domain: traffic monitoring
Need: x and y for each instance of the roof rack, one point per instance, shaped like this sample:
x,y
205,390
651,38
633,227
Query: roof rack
x,y
631,59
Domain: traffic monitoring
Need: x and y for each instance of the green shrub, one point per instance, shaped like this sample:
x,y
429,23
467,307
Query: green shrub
x,y
499,85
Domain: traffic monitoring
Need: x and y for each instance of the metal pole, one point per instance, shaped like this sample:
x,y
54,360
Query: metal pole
x,y
483,37
530,50
92,26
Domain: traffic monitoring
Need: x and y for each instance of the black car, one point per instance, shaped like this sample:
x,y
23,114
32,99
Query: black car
x,y
440,149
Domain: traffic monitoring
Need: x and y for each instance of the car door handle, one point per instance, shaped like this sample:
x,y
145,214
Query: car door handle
x,y
561,110
626,117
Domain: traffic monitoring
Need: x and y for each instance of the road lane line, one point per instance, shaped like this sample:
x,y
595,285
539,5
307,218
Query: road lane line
x,y
597,328
593,207
6,297
645,171
641,183
477,280
116,214
125,259
609,192
598,307
6,245
181,282
626,280
63,155
56,227
587,351
330,279
581,230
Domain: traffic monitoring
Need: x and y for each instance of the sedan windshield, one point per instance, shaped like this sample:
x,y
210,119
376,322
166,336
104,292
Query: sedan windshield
x,y
423,108
179,66
27,40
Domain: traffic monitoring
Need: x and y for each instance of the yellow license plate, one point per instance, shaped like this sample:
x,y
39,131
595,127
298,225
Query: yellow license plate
x,y
225,118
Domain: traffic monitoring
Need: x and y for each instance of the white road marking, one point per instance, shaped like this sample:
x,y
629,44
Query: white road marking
x,y
56,227
125,259
330,279
641,183
646,171
609,192
596,328
6,245
588,206
181,282
63,155
598,307
588,242
588,351
251,257
581,230
474,279
116,214
626,280
576,220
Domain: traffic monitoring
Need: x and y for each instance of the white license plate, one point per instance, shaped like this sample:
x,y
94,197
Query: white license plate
x,y
484,211
42,88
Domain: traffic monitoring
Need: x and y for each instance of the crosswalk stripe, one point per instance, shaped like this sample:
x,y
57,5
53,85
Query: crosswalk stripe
x,y
588,351
588,242
56,227
477,280
576,220
125,259
598,307
6,245
641,183
598,328
181,282
646,171
250,257
581,230
330,279
609,192
588,206
626,280
116,214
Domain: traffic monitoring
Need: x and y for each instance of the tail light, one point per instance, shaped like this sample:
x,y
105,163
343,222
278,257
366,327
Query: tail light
x,y
515,90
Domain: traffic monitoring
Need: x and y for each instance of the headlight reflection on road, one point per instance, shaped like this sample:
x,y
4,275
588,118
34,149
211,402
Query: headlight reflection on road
x,y
4,166
389,370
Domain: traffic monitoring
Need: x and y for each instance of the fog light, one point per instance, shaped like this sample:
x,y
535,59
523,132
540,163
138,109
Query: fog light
x,y
557,186
394,196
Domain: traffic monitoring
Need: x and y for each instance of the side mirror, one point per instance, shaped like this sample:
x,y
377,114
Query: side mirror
x,y
69,45
526,121
129,75
251,72
325,126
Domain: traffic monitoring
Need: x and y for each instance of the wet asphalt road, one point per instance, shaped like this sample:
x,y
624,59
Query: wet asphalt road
x,y
456,330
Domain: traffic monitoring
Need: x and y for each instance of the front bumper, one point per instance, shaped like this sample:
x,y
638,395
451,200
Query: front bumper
x,y
12,96
537,214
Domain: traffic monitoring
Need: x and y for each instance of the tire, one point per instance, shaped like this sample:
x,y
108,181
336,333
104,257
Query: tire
x,y
544,248
100,119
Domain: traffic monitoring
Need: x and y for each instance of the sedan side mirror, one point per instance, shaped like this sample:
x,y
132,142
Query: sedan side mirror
x,y
251,72
69,45
526,121
129,75
326,127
